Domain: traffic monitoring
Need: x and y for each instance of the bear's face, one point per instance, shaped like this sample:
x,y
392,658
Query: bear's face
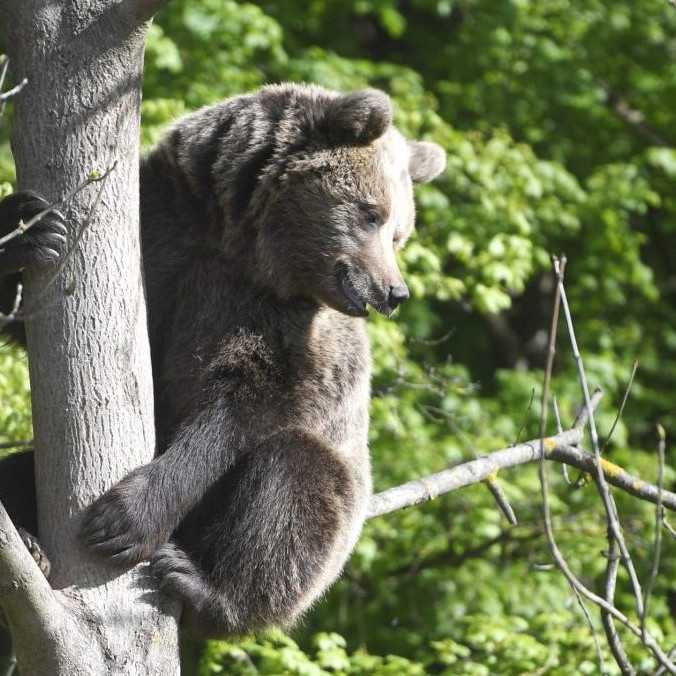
x,y
343,209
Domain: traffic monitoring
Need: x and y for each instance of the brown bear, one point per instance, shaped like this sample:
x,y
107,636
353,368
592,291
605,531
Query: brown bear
x,y
270,222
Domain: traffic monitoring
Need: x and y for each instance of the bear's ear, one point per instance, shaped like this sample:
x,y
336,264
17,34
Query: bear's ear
x,y
427,160
360,117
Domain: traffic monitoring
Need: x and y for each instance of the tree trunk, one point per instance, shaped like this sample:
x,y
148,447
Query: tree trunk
x,y
87,339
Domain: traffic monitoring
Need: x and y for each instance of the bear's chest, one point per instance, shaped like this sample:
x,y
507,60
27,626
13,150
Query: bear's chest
x,y
331,392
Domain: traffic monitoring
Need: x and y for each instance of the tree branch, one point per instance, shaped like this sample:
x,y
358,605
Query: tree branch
x,y
599,472
615,536
560,448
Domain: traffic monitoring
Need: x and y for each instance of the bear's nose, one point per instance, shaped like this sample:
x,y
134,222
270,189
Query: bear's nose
x,y
398,294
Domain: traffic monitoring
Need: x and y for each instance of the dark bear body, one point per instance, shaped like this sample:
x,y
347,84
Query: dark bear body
x,y
269,222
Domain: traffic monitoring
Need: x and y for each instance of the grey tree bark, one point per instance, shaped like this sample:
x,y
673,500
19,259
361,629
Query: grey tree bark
x,y
89,357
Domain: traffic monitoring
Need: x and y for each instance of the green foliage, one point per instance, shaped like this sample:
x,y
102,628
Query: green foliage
x,y
15,410
558,119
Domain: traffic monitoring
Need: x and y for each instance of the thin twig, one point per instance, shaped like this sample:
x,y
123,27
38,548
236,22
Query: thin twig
x,y
620,411
4,97
500,498
659,518
13,91
559,429
4,64
670,529
592,629
526,416
614,641
583,414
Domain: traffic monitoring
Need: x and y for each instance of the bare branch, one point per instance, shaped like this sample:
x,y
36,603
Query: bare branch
x,y
614,530
465,474
614,641
607,498
558,448
672,652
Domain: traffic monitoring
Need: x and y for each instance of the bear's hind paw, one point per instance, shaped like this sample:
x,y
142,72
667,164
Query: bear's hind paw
x,y
178,576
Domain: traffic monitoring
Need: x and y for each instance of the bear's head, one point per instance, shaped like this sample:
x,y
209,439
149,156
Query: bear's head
x,y
337,202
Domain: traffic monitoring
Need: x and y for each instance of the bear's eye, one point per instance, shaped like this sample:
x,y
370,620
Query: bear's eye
x,y
372,218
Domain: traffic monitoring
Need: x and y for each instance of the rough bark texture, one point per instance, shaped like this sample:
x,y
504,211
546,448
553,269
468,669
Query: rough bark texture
x,y
89,357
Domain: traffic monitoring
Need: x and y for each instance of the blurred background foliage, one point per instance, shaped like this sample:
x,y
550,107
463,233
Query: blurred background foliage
x,y
559,118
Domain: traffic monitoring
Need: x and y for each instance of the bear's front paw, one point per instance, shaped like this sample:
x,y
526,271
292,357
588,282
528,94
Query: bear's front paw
x,y
117,526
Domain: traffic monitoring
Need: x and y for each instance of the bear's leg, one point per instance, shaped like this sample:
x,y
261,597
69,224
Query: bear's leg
x,y
266,540
137,515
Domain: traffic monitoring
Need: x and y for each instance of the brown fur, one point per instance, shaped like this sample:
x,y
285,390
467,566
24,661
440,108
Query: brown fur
x,y
269,223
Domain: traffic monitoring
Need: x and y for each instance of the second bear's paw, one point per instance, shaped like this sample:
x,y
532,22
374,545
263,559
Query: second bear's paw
x,y
42,243
36,551
116,527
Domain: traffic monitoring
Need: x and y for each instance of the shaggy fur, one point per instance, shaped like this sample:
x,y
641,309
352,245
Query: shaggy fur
x,y
269,224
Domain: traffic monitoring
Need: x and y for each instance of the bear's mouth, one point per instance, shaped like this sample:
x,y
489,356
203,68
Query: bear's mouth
x,y
356,305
